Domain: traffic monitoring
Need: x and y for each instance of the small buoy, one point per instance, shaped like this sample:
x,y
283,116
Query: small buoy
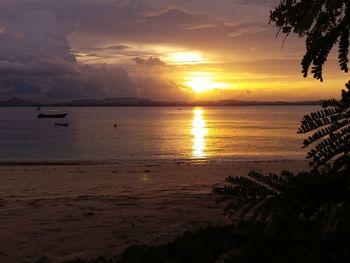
x,y
115,125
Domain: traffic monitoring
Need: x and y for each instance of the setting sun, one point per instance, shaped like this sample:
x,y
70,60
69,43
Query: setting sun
x,y
203,82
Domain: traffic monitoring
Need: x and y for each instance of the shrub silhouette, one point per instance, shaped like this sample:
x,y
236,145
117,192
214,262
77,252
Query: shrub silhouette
x,y
308,208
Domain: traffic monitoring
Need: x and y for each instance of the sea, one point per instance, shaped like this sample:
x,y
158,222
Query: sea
x,y
114,134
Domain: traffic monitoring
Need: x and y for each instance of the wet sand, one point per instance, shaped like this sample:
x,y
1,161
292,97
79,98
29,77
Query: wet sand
x,y
70,210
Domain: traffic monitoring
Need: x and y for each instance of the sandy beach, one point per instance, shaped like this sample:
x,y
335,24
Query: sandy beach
x,y
66,211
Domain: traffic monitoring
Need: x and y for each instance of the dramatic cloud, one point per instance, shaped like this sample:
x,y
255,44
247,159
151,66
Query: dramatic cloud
x,y
160,89
53,50
269,3
150,62
209,26
206,25
36,62
174,16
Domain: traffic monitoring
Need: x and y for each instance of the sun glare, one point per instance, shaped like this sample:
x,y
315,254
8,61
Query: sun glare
x,y
203,82
189,57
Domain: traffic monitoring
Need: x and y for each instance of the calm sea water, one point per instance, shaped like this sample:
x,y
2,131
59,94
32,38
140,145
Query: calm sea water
x,y
148,133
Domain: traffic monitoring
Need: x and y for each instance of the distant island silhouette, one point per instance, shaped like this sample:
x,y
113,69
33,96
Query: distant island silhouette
x,y
143,102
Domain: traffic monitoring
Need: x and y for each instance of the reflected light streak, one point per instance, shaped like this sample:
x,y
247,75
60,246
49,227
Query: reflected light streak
x,y
199,131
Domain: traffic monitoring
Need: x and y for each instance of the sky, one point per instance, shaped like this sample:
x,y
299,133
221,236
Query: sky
x,y
172,50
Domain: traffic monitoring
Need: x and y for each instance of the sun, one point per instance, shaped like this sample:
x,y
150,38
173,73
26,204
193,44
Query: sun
x,y
203,82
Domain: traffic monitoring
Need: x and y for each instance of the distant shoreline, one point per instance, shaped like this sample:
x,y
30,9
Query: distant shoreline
x,y
143,162
160,106
140,102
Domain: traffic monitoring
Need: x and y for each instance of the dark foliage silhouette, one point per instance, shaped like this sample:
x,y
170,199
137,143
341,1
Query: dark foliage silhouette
x,y
331,133
312,208
305,196
324,23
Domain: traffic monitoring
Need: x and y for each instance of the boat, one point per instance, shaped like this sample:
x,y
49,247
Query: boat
x,y
51,113
66,124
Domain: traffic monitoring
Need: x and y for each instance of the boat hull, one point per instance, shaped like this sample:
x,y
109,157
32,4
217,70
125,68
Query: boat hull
x,y
58,115
66,124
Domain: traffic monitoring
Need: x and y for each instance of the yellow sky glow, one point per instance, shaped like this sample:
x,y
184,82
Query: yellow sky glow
x,y
206,76
204,81
187,57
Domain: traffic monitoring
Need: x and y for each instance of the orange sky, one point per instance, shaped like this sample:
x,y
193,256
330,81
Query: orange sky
x,y
162,50
221,52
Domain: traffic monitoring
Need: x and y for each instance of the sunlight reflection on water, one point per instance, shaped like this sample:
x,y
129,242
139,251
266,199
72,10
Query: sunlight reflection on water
x,y
199,132
154,133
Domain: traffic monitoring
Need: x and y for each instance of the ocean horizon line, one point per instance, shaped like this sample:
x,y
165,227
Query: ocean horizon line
x,y
144,102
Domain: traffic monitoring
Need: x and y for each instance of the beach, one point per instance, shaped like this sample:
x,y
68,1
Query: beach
x,y
63,211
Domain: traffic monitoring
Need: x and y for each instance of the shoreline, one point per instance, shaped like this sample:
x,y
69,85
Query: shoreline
x,y
69,211
147,161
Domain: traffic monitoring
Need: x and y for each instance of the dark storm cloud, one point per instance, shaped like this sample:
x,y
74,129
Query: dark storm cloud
x,y
150,62
148,22
35,35
166,90
172,16
269,3
91,16
39,67
35,58
106,48
130,20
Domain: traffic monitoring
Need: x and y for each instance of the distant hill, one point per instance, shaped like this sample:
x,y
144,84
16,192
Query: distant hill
x,y
132,101
16,102
257,103
124,101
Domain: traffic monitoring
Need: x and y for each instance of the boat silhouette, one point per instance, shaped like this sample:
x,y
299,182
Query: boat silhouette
x,y
65,124
51,113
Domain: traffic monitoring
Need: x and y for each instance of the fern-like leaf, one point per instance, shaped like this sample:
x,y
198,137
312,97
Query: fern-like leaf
x,y
344,50
331,132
